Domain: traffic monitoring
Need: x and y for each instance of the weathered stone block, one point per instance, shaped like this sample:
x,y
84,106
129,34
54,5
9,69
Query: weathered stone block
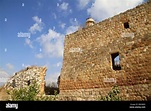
x,y
26,77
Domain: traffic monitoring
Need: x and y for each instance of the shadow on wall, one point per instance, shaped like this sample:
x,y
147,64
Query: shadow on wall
x,y
149,98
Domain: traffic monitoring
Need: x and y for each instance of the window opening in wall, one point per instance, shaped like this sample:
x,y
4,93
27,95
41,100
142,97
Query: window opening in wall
x,y
116,61
126,25
28,82
13,84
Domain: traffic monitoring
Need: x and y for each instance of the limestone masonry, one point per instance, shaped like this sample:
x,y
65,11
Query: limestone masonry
x,y
26,77
115,51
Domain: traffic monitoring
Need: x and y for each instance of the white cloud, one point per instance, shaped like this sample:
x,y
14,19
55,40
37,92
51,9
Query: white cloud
x,y
53,28
40,55
23,4
35,28
63,6
37,19
10,69
52,44
24,66
5,50
71,29
28,42
83,3
102,9
57,64
70,11
9,66
3,74
52,77
5,20
39,4
47,64
54,15
38,26
57,4
74,21
62,25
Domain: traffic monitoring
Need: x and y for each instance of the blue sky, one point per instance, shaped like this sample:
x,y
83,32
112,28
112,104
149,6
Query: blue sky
x,y
32,32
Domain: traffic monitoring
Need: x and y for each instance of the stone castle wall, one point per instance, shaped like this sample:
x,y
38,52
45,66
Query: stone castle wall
x,y
26,77
88,69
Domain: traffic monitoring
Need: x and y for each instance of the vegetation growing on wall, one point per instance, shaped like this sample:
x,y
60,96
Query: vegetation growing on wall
x,y
113,95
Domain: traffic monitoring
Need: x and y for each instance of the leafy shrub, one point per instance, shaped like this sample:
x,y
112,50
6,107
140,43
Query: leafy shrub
x,y
30,93
112,95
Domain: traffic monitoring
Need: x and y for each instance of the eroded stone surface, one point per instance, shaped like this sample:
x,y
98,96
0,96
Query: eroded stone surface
x,y
26,77
88,72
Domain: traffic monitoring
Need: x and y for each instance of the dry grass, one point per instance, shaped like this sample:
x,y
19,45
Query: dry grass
x,y
3,94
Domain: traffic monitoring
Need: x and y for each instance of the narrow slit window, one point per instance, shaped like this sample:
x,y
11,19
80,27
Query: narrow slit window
x,y
13,84
126,25
28,82
116,61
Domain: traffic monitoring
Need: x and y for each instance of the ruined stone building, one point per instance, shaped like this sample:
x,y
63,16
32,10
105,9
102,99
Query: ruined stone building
x,y
26,77
115,51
